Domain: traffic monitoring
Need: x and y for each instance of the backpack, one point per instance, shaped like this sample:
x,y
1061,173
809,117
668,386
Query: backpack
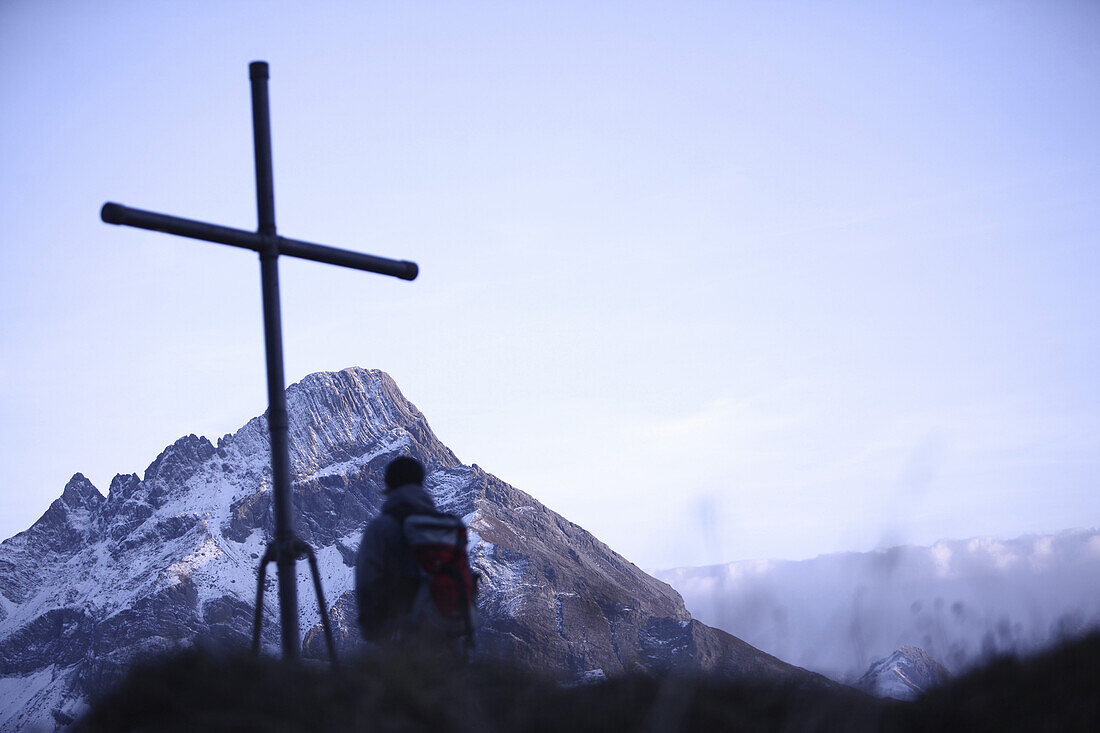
x,y
445,601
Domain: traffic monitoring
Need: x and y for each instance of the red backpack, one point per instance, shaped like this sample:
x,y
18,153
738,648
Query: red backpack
x,y
445,601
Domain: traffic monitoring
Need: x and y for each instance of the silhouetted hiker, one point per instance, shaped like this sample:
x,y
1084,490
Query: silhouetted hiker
x,y
412,575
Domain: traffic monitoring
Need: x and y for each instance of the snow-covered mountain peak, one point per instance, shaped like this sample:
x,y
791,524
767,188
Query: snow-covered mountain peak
x,y
903,675
178,462
336,418
338,414
122,486
173,557
79,493
68,518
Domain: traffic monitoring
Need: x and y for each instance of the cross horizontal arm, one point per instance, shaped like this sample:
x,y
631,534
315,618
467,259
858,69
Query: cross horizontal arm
x,y
113,213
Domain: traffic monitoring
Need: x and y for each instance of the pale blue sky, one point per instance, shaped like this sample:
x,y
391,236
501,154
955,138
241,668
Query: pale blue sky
x,y
713,280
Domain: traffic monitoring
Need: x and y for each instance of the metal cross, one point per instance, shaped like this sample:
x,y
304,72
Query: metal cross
x,y
287,548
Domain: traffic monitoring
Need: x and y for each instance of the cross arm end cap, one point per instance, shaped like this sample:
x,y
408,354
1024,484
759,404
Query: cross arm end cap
x,y
112,213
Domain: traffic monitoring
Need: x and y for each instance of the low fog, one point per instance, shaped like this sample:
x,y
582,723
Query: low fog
x,y
962,601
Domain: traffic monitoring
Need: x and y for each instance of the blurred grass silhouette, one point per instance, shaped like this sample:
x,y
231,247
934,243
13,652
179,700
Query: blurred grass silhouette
x,y
198,690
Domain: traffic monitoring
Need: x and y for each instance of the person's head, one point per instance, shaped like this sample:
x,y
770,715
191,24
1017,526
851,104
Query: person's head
x,y
403,470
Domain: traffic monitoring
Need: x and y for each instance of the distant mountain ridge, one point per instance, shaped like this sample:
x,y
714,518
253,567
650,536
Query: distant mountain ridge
x,y
904,675
961,601
170,558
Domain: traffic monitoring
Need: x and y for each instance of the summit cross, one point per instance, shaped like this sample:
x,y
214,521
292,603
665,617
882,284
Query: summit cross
x,y
287,547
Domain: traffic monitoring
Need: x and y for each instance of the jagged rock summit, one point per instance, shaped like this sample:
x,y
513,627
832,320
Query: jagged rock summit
x,y
904,675
170,559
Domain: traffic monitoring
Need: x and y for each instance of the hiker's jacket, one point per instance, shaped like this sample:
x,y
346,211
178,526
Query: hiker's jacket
x,y
386,575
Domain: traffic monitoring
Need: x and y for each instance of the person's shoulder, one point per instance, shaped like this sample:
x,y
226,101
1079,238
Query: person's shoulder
x,y
379,525
385,524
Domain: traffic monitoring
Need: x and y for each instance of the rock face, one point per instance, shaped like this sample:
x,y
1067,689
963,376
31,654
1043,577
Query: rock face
x,y
904,675
170,559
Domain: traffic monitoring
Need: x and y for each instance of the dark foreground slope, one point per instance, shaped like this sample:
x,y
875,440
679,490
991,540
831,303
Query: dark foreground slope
x,y
193,691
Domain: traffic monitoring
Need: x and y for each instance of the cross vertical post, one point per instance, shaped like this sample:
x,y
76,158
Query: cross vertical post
x,y
277,421
286,548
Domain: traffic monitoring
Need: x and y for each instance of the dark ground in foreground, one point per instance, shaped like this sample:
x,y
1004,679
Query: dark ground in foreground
x,y
200,691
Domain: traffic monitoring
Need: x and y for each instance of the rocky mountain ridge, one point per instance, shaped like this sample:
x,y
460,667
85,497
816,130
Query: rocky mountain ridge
x,y
169,559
